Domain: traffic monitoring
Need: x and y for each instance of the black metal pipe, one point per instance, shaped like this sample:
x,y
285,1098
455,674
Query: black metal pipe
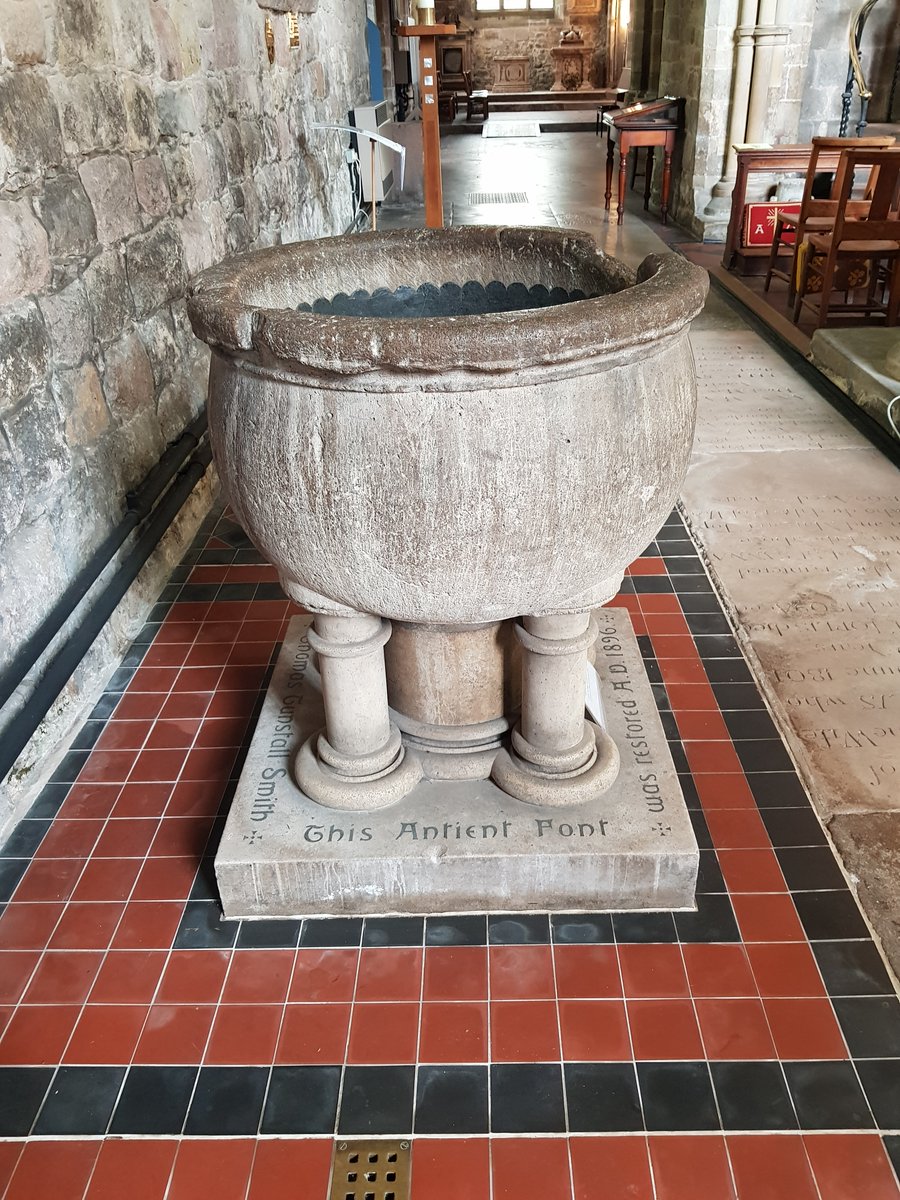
x,y
138,504
61,666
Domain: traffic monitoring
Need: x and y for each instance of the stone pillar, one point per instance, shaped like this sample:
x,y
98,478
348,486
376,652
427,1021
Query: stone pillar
x,y
767,36
557,758
740,98
357,761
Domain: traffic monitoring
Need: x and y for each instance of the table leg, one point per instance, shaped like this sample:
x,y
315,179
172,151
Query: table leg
x,y
609,170
623,179
666,185
648,177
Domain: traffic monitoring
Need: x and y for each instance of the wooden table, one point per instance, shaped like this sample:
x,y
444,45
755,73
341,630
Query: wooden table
x,y
770,159
431,128
651,124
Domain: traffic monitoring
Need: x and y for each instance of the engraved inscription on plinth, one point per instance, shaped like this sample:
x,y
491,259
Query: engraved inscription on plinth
x,y
458,846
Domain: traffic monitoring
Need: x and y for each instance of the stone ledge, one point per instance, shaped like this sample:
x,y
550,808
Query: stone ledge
x,y
864,363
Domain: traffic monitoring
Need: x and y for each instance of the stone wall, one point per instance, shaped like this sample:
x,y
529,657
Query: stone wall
x,y
140,141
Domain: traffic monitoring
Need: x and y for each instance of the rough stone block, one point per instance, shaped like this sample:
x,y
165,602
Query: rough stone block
x,y
155,267
140,114
12,490
22,32
92,111
176,111
157,333
83,33
38,442
166,42
24,252
24,353
109,295
151,185
134,36
79,396
66,214
179,172
67,316
128,376
30,141
109,183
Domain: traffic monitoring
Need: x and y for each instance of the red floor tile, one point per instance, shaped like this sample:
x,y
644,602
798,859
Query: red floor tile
x,y
258,977
384,1033
323,975
158,766
128,837
209,763
851,1167
737,829
312,1033
530,1167
652,971
244,1034
455,973
27,926
128,977
16,967
186,704
453,1032
166,879
674,645
647,566
174,1033
665,623
50,879
107,879
212,1167
451,1170
69,839
181,837
10,1153
768,918
611,1168
688,1168
148,925
38,1035
63,977
139,706
695,697
389,973
702,726
123,735
724,791
194,976
521,973
805,1029
771,1168
661,602
682,670
734,1029
138,1166
711,758
589,972
142,800
524,1031
280,1164
87,926
53,1170
195,798
91,800
751,871
106,1034
594,1031
718,970
173,733
664,1029
107,766
785,969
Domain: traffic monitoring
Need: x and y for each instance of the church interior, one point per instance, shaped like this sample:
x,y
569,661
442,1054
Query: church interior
x,y
449,619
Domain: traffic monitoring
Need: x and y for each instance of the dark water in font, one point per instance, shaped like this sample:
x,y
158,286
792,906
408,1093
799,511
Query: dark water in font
x,y
446,300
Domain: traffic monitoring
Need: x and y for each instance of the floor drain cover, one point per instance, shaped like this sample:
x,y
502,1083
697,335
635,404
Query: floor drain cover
x,y
497,198
370,1169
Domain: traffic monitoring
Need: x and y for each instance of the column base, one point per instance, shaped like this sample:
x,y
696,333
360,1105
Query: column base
x,y
528,783
348,793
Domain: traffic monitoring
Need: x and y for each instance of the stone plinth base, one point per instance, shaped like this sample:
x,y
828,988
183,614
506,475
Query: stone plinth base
x,y
458,846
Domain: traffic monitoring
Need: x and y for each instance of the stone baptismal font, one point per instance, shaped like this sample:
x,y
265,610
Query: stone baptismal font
x,y
451,444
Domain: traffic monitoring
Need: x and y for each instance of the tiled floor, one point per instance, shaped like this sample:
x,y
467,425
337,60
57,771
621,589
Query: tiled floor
x,y
749,1050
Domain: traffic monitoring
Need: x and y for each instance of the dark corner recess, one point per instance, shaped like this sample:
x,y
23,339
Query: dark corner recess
x,y
155,502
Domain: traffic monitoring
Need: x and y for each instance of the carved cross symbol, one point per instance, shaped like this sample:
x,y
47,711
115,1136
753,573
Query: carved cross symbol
x,y
252,836
661,829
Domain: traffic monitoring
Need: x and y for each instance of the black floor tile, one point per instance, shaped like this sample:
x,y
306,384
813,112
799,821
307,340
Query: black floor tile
x,y
527,1098
709,876
880,1078
335,931
764,754
105,706
203,927
810,868
377,1100
699,602
11,872
87,735
697,584
686,564
753,1095
670,727
777,789
708,623
581,927
651,584
717,646
456,931
701,829
204,886
154,1100
302,1100
227,1101
689,791
827,1095
602,1098
518,929
830,915
280,934
751,723
679,758
452,1099
49,801
236,591
194,593
25,838
677,1096
393,931
892,1147
871,1025
21,1091
730,671
793,827
651,551
737,696
645,645
853,969
652,671
80,1100
713,921
269,591
644,927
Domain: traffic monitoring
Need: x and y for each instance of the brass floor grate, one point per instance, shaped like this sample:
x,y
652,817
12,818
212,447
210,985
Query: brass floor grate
x,y
370,1169
497,198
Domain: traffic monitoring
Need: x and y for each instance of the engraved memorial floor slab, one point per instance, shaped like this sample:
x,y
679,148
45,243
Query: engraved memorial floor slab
x,y
458,846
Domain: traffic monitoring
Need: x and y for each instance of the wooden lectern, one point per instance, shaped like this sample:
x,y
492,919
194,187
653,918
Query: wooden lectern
x,y
651,123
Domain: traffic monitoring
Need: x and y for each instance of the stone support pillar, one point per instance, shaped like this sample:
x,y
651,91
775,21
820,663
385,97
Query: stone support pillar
x,y
767,35
357,761
557,758
740,99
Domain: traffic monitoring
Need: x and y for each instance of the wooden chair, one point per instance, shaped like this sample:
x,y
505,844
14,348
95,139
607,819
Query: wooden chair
x,y
476,98
872,235
816,213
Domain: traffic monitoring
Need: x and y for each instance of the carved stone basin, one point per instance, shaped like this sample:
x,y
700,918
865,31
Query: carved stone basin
x,y
498,445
